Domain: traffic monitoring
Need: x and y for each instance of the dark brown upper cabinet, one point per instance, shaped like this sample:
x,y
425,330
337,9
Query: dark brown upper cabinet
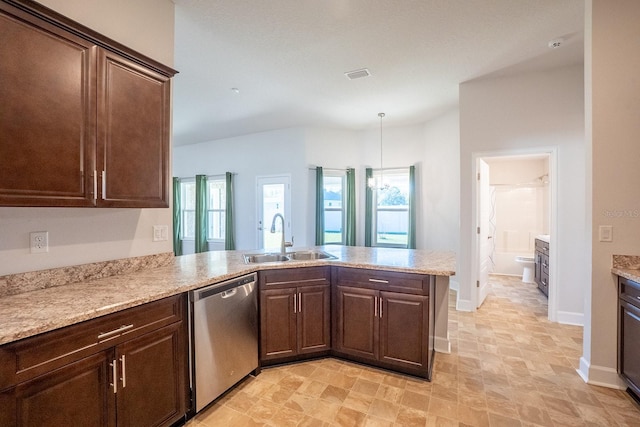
x,y
84,121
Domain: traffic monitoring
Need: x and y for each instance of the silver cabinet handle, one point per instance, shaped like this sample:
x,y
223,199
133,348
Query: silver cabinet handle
x,y
378,281
112,334
295,303
381,307
124,372
375,306
95,184
114,375
299,302
104,184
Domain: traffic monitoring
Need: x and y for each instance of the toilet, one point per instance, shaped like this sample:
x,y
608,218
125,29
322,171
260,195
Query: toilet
x,y
527,263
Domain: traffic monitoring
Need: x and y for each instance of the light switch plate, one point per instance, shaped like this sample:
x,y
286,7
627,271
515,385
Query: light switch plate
x,y
605,233
160,233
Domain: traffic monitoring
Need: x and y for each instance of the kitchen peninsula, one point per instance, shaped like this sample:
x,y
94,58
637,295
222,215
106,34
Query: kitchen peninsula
x,y
156,298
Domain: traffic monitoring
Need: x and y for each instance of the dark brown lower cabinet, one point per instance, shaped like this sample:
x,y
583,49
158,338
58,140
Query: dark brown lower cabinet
x,y
77,393
151,379
629,334
404,330
389,329
295,313
133,372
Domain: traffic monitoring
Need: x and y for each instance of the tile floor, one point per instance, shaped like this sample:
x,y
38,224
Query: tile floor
x,y
509,366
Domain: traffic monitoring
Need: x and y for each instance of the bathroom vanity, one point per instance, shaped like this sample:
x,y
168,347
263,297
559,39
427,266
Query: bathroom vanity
x,y
541,271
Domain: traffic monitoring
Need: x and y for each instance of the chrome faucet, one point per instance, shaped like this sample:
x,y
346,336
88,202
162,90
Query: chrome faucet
x,y
283,244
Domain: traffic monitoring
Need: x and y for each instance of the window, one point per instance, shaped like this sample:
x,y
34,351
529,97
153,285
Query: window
x,y
390,213
188,211
216,208
334,207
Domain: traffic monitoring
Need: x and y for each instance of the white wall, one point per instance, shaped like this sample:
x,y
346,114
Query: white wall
x,y
612,39
297,150
440,214
521,114
261,154
78,236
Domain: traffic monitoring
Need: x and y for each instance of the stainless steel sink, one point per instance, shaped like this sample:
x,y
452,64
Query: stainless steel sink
x,y
260,258
310,255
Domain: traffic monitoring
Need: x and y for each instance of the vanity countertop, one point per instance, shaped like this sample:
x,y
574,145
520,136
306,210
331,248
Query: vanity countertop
x,y
30,313
543,237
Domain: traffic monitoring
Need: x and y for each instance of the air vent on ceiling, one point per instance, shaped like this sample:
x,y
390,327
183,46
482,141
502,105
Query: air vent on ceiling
x,y
357,74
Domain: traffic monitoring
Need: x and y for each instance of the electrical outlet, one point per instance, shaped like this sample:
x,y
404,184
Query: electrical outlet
x,y
39,242
160,233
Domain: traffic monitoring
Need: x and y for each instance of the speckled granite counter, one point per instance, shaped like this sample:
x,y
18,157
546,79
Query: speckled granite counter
x,y
627,266
30,313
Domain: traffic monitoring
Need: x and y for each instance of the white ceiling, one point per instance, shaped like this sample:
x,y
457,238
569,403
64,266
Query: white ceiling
x,y
288,59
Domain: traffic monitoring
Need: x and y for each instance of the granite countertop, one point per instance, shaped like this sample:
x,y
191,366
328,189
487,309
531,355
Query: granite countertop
x,y
30,313
627,266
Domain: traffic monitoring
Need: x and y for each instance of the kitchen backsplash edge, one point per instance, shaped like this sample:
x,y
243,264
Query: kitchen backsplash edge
x,y
13,284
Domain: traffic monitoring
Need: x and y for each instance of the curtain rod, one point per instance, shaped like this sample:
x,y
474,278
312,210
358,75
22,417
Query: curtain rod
x,y
312,168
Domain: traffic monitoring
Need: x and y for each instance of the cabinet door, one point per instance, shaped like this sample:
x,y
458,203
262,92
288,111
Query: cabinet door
x,y
356,322
47,114
152,378
404,330
78,394
278,323
630,344
133,134
313,319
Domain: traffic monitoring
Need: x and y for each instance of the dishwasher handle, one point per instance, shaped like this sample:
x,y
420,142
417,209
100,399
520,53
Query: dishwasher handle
x,y
223,287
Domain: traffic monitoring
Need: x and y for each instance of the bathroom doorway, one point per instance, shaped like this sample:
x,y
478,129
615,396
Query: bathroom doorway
x,y
519,197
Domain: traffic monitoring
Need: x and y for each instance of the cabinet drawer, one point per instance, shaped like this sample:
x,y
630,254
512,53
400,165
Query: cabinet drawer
x,y
304,276
629,290
33,356
383,280
542,246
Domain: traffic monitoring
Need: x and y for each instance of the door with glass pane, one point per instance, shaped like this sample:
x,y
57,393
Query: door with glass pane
x,y
274,197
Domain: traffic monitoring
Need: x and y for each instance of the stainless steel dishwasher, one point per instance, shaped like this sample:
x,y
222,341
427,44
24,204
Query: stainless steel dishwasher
x,y
224,337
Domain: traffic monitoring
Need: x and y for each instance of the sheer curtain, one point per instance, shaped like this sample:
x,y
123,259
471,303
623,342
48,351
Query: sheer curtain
x,y
319,206
177,220
350,210
411,238
368,206
229,224
201,214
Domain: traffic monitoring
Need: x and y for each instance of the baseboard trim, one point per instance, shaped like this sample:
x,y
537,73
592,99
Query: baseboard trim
x,y
464,305
600,376
570,318
442,345
454,285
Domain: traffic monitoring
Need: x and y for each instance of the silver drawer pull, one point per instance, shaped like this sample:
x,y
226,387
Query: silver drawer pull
x,y
378,281
114,373
638,297
110,334
124,372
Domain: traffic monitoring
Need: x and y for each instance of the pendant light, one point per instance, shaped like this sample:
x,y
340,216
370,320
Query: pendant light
x,y
372,181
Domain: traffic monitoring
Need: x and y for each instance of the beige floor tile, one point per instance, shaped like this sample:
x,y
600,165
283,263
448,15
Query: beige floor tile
x,y
263,410
415,400
334,394
347,417
409,417
384,409
365,387
358,401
